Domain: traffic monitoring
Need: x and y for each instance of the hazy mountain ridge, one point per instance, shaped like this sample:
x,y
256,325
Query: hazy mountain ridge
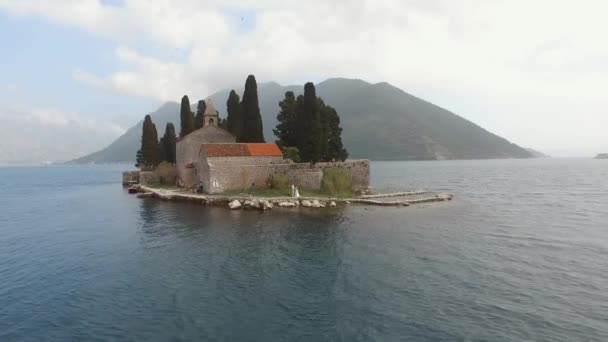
x,y
602,156
537,154
380,122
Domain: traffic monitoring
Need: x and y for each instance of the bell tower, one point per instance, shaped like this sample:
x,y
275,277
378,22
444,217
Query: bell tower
x,y
210,116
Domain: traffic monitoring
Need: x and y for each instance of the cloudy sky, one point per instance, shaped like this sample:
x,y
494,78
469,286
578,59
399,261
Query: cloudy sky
x,y
76,74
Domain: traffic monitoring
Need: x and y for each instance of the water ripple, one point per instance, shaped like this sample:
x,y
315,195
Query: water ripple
x,y
519,255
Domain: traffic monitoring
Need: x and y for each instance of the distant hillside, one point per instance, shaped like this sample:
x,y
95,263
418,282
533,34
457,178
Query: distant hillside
x,y
124,148
380,122
602,156
537,154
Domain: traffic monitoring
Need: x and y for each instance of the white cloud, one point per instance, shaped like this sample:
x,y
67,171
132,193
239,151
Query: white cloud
x,y
50,117
40,134
10,87
532,71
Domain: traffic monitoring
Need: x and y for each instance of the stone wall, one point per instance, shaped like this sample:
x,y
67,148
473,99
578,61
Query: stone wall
x,y
309,176
219,174
305,178
235,173
166,173
245,160
148,178
130,177
187,151
357,169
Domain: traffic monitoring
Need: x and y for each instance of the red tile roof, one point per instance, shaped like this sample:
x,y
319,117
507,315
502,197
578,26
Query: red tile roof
x,y
241,150
271,150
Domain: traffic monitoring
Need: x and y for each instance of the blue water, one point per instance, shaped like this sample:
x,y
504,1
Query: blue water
x,y
521,254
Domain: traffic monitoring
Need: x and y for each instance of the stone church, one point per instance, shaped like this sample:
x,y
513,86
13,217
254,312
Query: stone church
x,y
187,148
210,159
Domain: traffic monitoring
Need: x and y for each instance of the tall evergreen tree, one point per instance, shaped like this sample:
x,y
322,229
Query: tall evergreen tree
x,y
234,120
309,133
323,118
335,149
148,153
186,116
156,157
223,124
200,111
252,131
139,158
287,126
310,126
167,144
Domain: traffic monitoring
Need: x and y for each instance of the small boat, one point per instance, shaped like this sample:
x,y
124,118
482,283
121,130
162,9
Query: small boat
x,y
133,189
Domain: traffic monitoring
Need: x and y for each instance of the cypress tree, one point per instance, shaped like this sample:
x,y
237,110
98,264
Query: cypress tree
x,y
167,144
200,111
335,149
162,150
323,118
187,118
252,131
148,154
223,124
139,158
234,120
287,125
309,133
155,157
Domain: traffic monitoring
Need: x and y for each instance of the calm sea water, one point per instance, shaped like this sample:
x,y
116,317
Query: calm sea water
x,y
521,254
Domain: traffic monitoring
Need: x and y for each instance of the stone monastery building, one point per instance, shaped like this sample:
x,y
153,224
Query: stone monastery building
x,y
188,147
210,159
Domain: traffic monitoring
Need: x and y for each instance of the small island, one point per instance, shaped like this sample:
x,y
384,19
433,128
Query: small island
x,y
601,156
227,161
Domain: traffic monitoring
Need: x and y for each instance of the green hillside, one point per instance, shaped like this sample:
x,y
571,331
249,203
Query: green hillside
x,y
380,122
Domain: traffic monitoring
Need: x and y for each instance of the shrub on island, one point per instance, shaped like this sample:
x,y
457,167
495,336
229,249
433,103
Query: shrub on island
x,y
166,173
336,182
277,182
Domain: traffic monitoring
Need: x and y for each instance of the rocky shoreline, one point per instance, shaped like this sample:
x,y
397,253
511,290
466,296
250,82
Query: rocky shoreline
x,y
396,199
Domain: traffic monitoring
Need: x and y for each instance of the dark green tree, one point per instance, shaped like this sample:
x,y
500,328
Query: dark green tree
x,y
234,120
167,144
252,131
186,116
287,125
335,148
156,157
309,131
323,118
291,153
148,155
200,111
139,158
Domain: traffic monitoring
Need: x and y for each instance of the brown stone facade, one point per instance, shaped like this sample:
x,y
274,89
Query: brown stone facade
x,y
219,174
148,178
130,177
187,152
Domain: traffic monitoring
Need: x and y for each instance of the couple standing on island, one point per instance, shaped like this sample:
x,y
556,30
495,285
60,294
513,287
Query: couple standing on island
x,y
294,191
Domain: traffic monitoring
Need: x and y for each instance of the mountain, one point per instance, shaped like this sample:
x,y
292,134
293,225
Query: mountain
x,y
537,154
602,156
380,122
124,148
